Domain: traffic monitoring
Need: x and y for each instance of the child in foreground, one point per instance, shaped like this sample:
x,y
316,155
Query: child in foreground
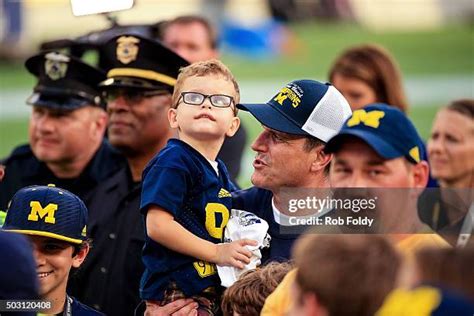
x,y
186,194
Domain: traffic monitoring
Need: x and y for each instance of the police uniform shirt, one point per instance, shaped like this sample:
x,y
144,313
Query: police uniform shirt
x,y
113,267
22,169
183,182
259,202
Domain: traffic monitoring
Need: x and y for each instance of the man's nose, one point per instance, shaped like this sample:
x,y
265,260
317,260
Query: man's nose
x,y
118,104
260,144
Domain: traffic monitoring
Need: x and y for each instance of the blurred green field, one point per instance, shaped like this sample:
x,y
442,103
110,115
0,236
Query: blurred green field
x,y
314,46
15,131
447,51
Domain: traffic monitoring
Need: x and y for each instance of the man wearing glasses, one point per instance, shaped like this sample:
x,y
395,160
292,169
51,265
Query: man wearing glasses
x,y
141,75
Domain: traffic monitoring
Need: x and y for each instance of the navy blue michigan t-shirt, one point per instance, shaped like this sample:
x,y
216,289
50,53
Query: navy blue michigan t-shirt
x,y
183,182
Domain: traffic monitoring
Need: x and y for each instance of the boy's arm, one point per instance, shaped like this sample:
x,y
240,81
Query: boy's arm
x,y
162,228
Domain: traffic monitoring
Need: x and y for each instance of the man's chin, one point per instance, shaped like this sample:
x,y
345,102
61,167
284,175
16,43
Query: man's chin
x,y
46,156
260,181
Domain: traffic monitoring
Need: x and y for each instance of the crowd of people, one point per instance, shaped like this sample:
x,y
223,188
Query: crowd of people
x,y
126,190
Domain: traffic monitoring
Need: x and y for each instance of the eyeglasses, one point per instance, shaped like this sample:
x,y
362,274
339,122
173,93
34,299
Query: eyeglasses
x,y
196,98
131,96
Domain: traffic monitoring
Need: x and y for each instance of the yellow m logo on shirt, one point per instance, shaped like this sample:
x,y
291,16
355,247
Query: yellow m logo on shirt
x,y
46,213
370,119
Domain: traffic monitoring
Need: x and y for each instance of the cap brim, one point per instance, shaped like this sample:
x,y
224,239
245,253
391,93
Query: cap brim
x,y
134,83
44,234
272,118
377,143
57,102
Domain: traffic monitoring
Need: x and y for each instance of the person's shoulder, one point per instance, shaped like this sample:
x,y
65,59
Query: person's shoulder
x,y
175,149
255,200
176,154
79,309
413,243
107,152
19,154
255,194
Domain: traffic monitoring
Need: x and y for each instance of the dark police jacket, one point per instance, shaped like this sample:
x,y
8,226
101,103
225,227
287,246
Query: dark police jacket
x,y
109,278
22,169
75,308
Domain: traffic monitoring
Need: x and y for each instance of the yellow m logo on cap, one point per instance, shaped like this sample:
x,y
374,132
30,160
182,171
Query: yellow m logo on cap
x,y
370,119
46,213
281,96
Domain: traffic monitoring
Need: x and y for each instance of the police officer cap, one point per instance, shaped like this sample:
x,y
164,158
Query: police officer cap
x,y
137,62
64,82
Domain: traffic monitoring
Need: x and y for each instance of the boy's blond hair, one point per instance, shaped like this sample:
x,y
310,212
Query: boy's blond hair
x,y
248,294
201,69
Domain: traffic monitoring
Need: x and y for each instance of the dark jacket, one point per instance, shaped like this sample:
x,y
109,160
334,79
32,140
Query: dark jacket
x,y
22,169
109,278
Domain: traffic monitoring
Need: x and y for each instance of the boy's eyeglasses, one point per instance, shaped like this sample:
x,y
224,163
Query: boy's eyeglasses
x,y
196,98
131,96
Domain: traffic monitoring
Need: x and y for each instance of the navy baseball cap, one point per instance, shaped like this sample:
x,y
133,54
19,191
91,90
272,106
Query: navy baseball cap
x,y
64,82
47,211
303,107
386,129
132,61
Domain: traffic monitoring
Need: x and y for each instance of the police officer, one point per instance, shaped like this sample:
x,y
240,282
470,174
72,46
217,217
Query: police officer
x,y
141,75
66,131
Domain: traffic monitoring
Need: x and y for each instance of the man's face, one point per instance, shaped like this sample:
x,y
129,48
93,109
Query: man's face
x,y
281,160
59,136
137,122
357,165
54,259
191,41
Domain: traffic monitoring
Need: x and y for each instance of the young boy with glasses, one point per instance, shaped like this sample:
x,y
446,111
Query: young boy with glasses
x,y
186,194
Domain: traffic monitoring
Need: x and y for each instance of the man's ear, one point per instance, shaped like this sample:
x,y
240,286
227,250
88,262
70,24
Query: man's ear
x,y
420,174
99,118
233,126
80,256
173,117
321,161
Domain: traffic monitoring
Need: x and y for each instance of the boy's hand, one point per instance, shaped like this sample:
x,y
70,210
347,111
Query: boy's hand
x,y
234,254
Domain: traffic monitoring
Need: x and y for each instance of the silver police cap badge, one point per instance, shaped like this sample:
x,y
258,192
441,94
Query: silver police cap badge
x,y
56,65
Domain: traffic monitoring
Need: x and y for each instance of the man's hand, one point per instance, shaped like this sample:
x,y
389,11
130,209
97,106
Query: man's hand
x,y
181,307
234,254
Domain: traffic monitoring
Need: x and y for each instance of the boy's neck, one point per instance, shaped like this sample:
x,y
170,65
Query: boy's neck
x,y
208,148
57,299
